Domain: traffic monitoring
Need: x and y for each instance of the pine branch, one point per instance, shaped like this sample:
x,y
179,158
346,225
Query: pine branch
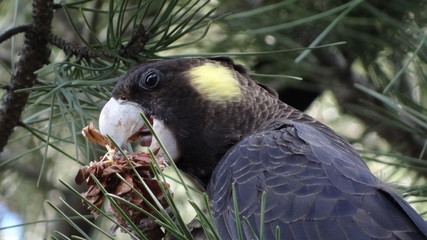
x,y
13,31
136,43
34,55
131,50
72,49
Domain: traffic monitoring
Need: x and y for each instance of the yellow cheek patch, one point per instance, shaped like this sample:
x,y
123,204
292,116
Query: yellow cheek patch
x,y
215,82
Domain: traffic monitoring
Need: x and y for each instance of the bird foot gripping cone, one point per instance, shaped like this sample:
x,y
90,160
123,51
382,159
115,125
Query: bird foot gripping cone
x,y
107,172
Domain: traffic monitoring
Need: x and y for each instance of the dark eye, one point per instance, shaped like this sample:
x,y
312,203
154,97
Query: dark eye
x,y
150,80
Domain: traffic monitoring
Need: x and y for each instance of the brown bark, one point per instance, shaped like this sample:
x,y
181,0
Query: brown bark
x,y
34,55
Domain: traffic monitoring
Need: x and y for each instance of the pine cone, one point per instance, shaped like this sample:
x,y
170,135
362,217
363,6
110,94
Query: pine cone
x,y
106,171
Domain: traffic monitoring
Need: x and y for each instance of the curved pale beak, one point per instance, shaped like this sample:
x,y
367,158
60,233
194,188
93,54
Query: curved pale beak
x,y
121,120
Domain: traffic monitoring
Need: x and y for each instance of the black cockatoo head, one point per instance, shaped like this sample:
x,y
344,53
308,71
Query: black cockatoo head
x,y
312,179
198,107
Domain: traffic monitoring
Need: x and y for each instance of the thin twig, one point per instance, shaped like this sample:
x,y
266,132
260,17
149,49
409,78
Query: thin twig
x,y
13,31
130,51
72,49
136,43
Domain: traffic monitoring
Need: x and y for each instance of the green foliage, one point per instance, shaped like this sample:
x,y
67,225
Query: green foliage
x,y
371,55
110,38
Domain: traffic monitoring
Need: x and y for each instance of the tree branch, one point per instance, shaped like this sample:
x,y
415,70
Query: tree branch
x,y
134,46
13,31
72,49
34,55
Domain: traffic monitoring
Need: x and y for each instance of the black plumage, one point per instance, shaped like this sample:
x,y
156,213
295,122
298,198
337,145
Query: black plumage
x,y
316,189
316,185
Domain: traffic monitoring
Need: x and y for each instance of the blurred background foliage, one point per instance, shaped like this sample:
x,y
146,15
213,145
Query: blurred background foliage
x,y
369,83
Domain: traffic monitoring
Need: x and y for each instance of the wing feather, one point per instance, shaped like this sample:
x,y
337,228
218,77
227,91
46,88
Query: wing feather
x,y
317,188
